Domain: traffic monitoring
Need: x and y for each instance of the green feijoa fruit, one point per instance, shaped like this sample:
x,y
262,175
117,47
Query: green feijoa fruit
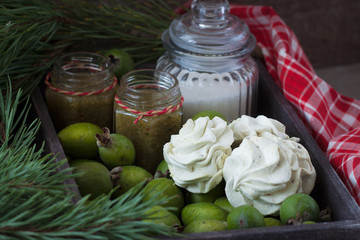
x,y
128,177
115,149
205,225
208,113
299,206
272,222
125,61
165,188
211,196
161,215
201,211
95,178
309,222
245,216
78,140
163,169
224,203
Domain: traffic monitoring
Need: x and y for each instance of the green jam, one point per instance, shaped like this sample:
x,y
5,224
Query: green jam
x,y
72,75
67,109
148,135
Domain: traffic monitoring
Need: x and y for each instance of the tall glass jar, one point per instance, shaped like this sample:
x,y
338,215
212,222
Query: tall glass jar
x,y
148,110
81,88
208,51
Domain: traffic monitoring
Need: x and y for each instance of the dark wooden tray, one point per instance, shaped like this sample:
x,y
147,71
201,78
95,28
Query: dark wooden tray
x,y
329,191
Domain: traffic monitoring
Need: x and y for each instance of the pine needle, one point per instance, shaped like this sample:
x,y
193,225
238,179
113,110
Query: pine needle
x,y
35,202
33,32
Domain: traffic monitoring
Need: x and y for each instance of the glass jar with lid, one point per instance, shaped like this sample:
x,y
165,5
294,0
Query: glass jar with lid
x,y
81,88
208,51
148,110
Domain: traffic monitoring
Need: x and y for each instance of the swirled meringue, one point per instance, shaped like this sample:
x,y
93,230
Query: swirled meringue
x,y
247,126
196,155
266,169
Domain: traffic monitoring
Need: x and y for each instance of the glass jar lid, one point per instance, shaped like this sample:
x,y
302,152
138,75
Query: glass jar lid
x,y
209,29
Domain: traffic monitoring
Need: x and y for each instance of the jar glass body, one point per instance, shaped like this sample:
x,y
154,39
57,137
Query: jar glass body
x,y
208,50
145,91
72,76
224,83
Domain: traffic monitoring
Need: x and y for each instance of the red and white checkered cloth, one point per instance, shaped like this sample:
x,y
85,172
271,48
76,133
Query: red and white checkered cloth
x,y
334,120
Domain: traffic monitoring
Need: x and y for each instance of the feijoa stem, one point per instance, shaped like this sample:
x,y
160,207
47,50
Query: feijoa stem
x,y
160,174
114,174
325,215
104,139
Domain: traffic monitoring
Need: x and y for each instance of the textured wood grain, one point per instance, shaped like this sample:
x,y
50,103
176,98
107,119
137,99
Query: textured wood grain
x,y
48,134
328,30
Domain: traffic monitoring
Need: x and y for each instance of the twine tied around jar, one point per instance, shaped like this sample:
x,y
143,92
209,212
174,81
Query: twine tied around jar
x,y
50,86
166,110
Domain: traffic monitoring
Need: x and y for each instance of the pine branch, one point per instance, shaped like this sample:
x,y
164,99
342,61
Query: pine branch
x,y
34,202
33,32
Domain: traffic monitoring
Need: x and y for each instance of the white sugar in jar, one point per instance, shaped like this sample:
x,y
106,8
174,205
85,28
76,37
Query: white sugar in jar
x,y
208,51
231,93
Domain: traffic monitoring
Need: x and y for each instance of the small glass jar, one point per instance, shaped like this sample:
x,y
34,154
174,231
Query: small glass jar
x,y
208,51
148,110
81,88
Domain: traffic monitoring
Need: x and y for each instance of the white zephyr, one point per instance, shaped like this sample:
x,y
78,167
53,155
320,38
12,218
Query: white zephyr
x,y
266,169
196,155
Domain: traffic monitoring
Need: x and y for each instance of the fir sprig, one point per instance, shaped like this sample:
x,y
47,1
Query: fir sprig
x,y
35,203
33,32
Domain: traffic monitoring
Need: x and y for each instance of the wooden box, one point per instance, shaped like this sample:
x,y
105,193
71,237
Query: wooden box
x,y
329,191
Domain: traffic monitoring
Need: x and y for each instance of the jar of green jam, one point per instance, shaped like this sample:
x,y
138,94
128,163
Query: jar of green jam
x,y
81,88
148,110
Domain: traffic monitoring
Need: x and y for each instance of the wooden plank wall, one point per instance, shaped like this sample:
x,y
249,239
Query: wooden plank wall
x,y
328,30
